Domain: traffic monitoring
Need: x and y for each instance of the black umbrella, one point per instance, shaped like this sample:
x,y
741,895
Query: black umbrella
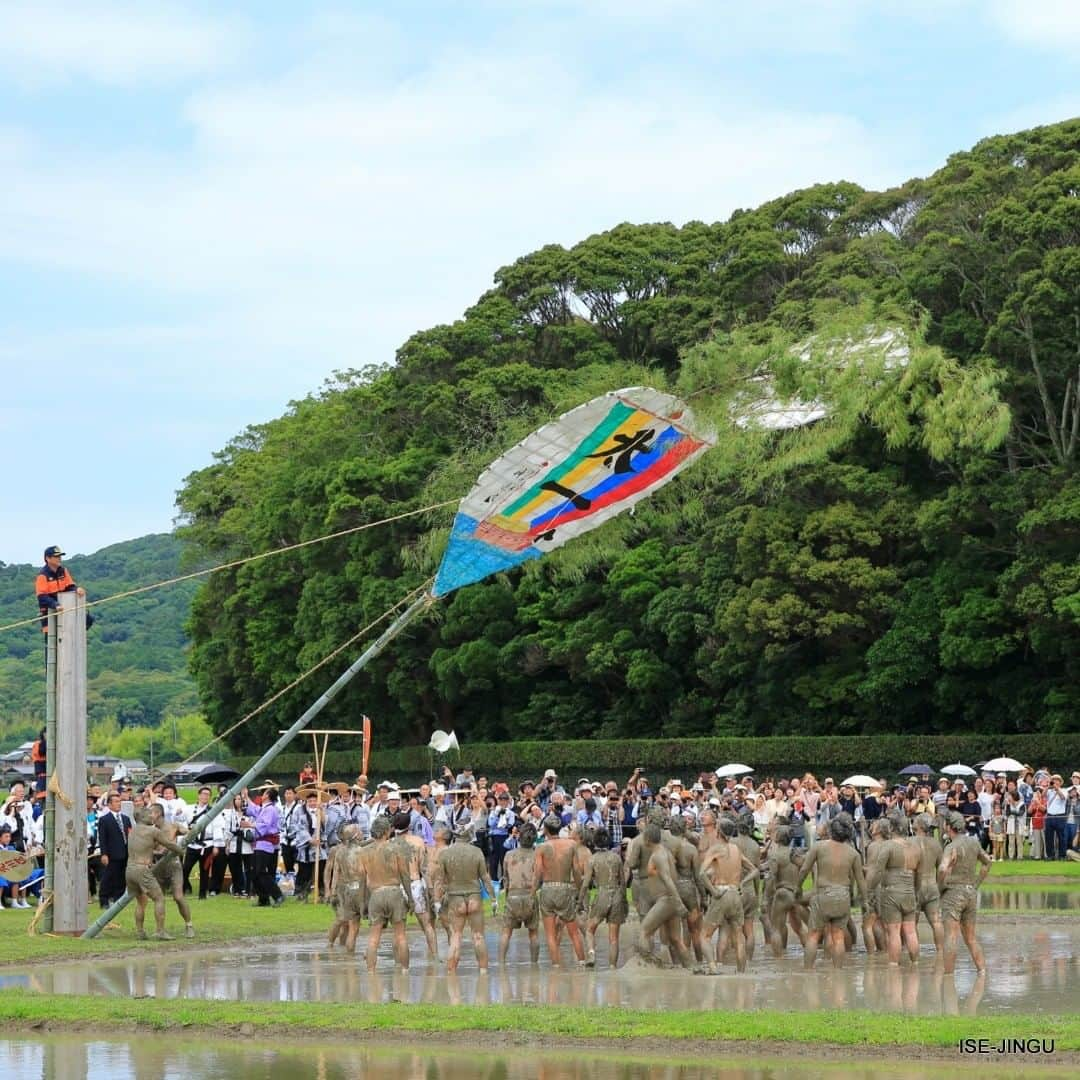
x,y
916,770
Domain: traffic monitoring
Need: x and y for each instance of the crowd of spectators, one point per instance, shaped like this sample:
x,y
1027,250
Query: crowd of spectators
x,y
1034,815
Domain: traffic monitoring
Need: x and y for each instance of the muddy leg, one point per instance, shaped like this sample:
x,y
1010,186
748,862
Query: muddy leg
x,y
972,942
810,948
429,934
590,941
476,925
401,946
140,917
748,937
552,940
613,945
911,939
574,933
836,937
373,945
952,932
504,944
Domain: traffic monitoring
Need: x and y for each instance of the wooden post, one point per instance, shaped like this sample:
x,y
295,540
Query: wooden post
x,y
49,828
68,775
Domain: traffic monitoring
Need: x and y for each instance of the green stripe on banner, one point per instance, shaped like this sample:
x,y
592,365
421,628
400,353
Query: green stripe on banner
x,y
612,422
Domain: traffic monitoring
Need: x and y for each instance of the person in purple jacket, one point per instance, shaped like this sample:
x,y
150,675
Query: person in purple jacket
x,y
266,824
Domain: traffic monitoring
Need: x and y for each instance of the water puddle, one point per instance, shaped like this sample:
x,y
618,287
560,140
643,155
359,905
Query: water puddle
x,y
155,1057
1034,967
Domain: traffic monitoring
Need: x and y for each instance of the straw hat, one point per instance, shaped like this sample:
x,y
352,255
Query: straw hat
x,y
306,791
266,785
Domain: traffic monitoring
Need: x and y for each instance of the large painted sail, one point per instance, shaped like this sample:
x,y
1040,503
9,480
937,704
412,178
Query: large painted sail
x,y
566,478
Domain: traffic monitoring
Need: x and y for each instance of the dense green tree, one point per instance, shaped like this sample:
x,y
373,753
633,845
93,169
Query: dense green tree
x,y
908,563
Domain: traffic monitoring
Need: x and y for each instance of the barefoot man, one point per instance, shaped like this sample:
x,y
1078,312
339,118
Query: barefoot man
x,y
928,895
725,872
963,869
558,882
873,935
139,878
787,907
389,896
835,865
605,871
751,903
346,884
460,870
666,909
519,870
415,851
894,865
687,868
167,869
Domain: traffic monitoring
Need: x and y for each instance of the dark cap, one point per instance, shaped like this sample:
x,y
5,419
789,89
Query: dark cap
x,y
53,549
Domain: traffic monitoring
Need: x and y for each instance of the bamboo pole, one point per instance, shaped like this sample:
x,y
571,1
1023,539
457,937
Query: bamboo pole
x,y
313,710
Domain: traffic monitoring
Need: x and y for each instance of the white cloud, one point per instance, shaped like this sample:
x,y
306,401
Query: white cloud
x,y
1053,25
113,42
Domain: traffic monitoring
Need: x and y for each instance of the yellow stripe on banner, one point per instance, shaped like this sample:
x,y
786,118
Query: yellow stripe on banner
x,y
580,477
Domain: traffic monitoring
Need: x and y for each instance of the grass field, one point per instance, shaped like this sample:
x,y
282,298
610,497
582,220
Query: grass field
x,y
1035,868
848,1028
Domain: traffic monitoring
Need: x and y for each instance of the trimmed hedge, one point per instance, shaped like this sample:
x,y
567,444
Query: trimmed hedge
x,y
661,758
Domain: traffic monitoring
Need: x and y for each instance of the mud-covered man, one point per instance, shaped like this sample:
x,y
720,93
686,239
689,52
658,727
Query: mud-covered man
x,y
460,871
139,877
836,866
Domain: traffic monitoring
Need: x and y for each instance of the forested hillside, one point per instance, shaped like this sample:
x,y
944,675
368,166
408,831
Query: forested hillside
x,y
914,571
136,654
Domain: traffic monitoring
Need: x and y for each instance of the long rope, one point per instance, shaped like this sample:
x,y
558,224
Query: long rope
x,y
310,671
248,559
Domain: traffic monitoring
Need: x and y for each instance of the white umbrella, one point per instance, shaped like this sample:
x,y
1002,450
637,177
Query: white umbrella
x,y
441,741
861,781
958,770
733,770
1002,764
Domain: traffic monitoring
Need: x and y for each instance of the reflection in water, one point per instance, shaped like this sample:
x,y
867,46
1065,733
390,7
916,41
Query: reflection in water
x,y
155,1058
993,898
1034,966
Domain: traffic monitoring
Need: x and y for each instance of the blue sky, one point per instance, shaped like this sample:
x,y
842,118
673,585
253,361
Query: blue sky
x,y
207,208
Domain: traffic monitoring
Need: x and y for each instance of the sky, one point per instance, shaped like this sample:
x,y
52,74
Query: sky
x,y
206,209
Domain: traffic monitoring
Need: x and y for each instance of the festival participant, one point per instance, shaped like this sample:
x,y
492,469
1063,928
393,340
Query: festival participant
x,y
239,854
346,883
266,826
415,851
666,909
460,871
290,810
894,866
605,872
687,869
442,836
167,869
928,895
138,877
634,866
724,872
874,937
557,882
746,843
196,850
788,906
959,877
835,865
519,896
389,896
308,820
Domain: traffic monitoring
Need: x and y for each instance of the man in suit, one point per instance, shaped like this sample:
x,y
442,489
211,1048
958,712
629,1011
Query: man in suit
x,y
113,829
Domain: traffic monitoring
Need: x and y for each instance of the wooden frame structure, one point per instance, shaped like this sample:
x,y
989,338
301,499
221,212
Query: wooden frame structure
x,y
319,754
